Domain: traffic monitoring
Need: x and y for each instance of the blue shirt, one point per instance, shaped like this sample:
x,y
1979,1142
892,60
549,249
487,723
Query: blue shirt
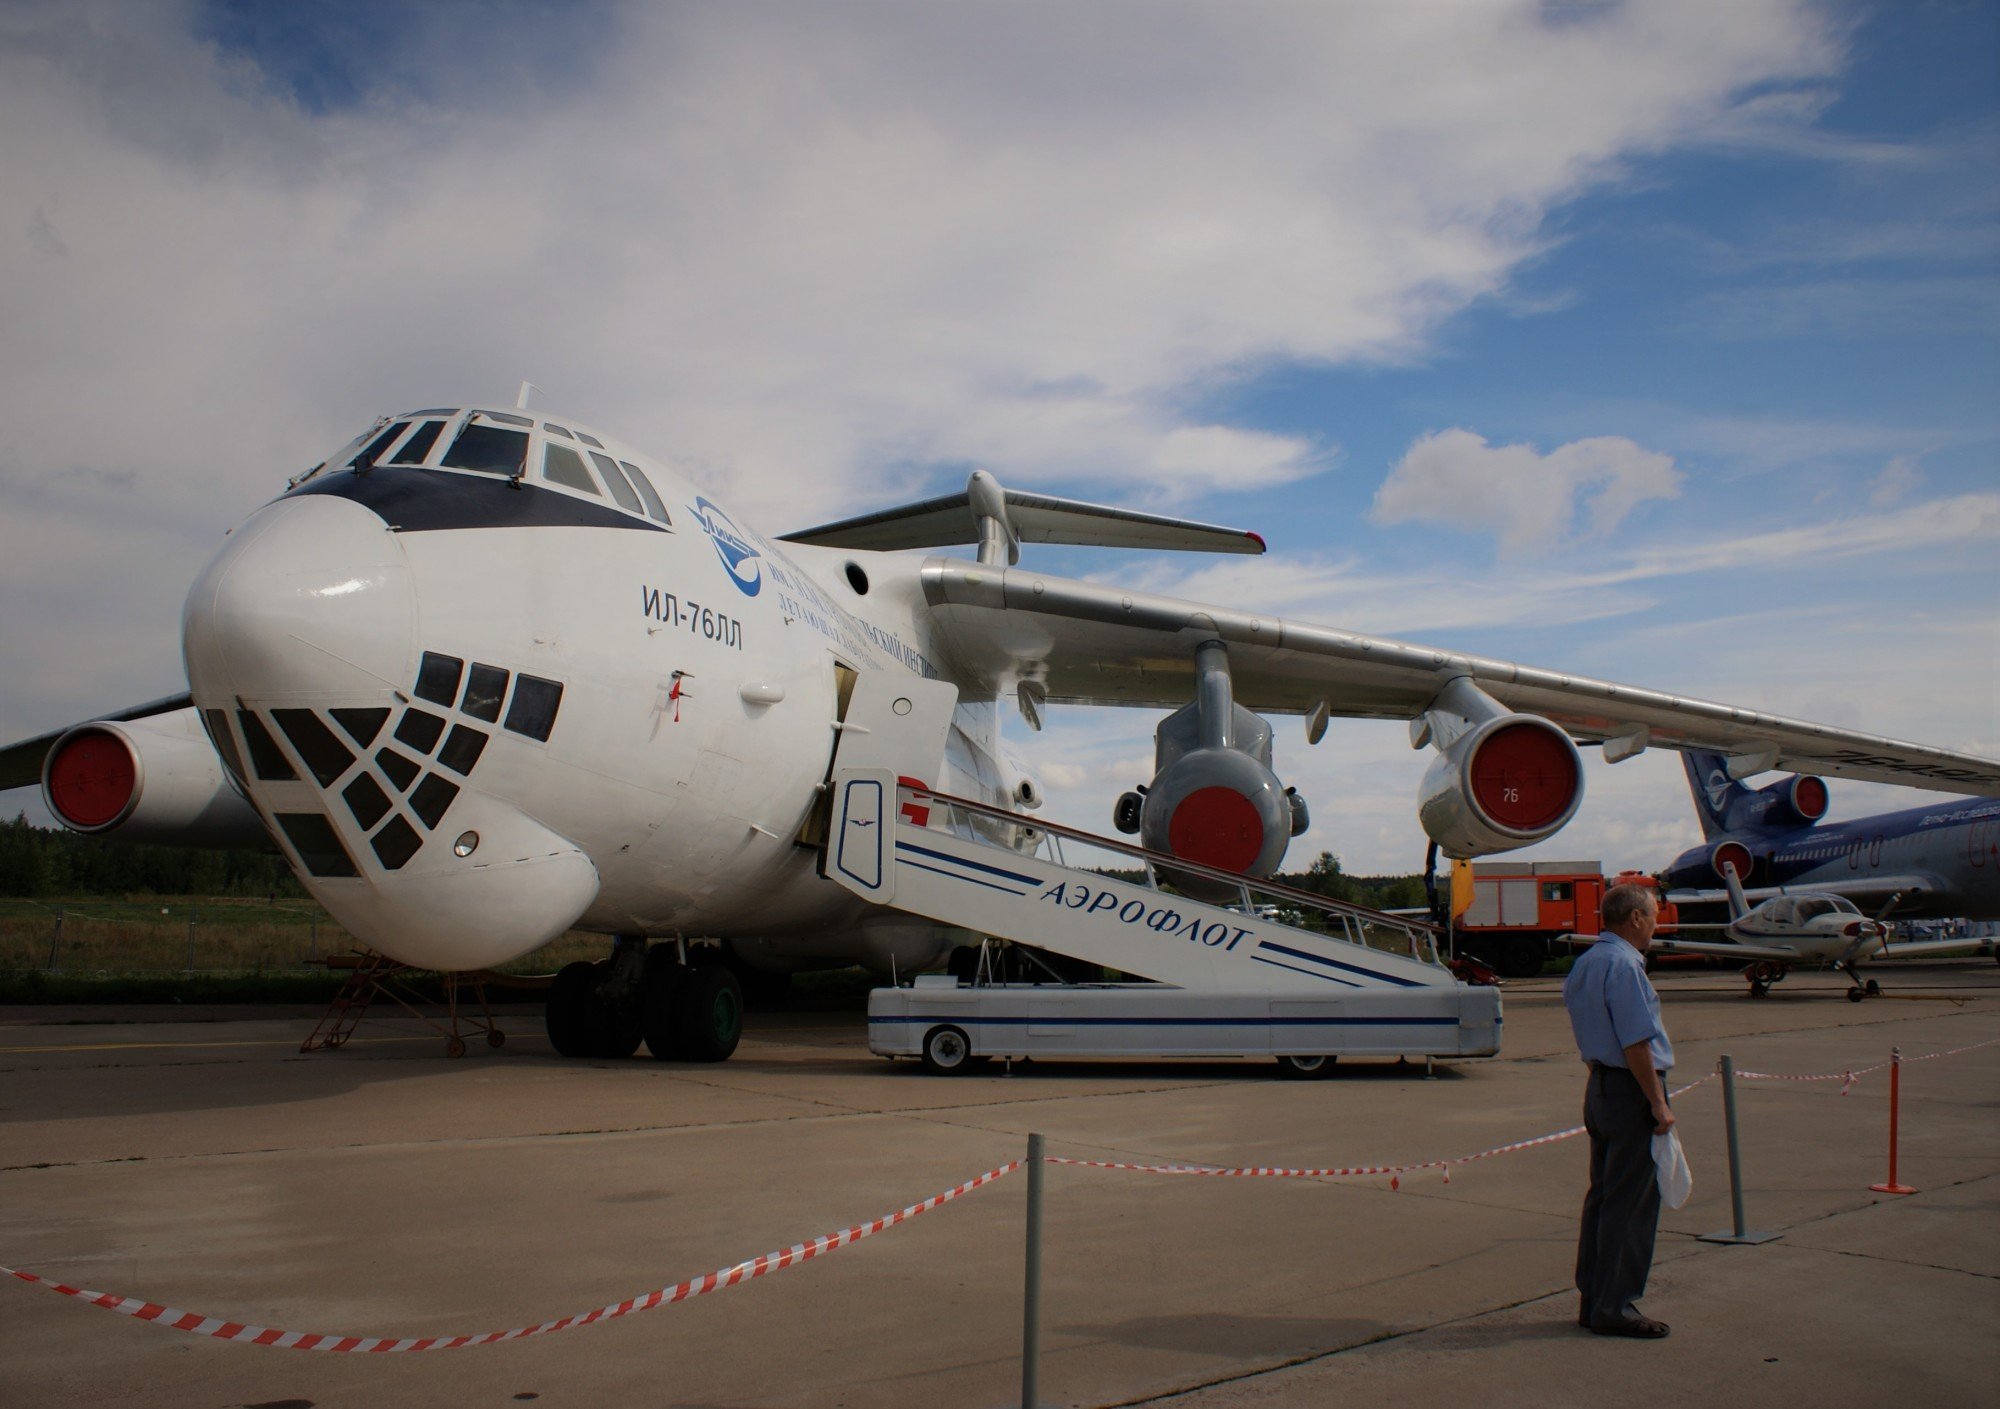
x,y
1612,1005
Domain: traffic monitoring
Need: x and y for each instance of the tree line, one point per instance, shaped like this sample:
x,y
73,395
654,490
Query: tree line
x,y
52,861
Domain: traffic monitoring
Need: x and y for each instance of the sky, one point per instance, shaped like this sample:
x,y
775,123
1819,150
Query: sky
x,y
1656,342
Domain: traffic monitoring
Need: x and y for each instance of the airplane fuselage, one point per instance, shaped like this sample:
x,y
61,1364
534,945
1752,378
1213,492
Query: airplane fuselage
x,y
620,719
1953,847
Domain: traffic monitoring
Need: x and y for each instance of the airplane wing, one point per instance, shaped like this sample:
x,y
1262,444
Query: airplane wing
x,y
1865,891
1086,643
1726,950
21,764
1918,948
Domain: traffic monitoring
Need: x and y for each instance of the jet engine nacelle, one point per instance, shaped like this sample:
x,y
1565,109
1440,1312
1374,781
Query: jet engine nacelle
x,y
1508,782
1797,801
1220,807
148,780
1213,798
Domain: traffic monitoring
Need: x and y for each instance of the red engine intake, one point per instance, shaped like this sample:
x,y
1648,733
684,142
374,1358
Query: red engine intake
x,y
91,779
1506,783
1732,854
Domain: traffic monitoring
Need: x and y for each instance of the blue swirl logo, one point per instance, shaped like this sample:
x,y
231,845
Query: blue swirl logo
x,y
737,555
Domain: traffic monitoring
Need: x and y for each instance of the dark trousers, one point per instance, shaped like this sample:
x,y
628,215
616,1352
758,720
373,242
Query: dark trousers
x,y
1622,1210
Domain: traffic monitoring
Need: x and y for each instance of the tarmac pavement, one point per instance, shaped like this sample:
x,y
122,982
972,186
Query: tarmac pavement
x,y
386,1190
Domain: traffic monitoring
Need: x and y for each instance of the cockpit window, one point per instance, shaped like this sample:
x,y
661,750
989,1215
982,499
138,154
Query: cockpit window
x,y
590,440
1812,909
492,450
621,488
646,490
553,429
562,465
376,447
504,418
417,448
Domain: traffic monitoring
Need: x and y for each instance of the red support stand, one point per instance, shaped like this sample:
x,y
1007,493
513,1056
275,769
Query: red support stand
x,y
1895,1103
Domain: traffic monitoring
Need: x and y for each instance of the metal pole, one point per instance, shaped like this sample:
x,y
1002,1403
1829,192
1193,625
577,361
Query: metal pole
x,y
1031,1321
55,944
191,919
1739,1232
1735,1158
1895,1105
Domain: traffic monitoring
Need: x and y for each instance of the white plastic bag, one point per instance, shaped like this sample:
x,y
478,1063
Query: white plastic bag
x,y
1676,1179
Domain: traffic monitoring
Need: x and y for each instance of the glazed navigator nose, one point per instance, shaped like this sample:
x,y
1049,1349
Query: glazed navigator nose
x,y
309,599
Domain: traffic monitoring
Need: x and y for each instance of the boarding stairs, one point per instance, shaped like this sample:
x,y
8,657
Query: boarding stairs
x,y
1226,963
900,843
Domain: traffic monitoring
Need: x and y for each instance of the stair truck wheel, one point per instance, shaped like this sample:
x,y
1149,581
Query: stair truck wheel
x,y
711,1014
563,1009
947,1051
665,977
1305,1068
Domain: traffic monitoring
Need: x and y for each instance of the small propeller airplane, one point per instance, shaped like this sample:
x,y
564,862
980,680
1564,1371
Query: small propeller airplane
x,y
485,676
1809,927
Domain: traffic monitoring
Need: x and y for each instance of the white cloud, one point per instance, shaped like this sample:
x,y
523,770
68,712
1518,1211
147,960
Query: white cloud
x,y
1894,484
1527,499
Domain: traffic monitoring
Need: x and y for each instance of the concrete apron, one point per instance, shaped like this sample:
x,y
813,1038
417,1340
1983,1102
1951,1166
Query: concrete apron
x,y
384,1190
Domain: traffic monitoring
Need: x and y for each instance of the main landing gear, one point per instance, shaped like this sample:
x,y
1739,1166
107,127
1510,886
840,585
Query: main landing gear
x,y
1762,975
683,1012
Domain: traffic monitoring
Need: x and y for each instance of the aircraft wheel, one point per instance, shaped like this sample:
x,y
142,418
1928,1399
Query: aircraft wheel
x,y
1873,988
1305,1068
455,1047
1855,995
947,1051
495,1037
563,1012
711,1014
1760,990
665,977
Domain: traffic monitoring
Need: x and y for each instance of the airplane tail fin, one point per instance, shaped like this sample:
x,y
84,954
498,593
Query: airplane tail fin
x,y
1713,789
1739,904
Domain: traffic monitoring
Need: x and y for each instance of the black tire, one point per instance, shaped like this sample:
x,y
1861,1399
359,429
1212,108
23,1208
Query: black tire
x,y
666,976
1313,1068
947,1051
1855,995
564,1010
711,1014
1760,990
1523,958
1872,987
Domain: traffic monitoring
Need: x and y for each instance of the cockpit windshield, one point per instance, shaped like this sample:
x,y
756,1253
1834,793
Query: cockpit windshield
x,y
493,450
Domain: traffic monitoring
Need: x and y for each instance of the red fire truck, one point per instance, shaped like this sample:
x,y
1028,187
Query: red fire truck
x,y
1519,907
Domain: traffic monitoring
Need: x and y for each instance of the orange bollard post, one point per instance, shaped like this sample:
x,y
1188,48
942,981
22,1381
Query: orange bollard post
x,y
1895,1103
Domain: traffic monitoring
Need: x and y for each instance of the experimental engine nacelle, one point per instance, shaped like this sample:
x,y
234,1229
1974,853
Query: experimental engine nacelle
x,y
1505,781
148,780
1214,799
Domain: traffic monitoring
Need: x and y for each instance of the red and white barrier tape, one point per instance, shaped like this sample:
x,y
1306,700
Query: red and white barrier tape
x,y
1848,1078
1394,1171
375,1345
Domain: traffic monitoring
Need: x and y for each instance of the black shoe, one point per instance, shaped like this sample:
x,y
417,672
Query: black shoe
x,y
1639,1327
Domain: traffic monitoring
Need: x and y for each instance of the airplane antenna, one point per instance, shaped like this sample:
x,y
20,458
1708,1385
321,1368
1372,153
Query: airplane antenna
x,y
521,401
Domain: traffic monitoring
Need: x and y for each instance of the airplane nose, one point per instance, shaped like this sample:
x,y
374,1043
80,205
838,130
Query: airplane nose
x,y
310,598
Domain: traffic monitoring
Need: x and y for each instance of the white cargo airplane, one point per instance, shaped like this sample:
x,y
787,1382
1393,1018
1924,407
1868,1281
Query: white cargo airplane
x,y
1816,928
485,676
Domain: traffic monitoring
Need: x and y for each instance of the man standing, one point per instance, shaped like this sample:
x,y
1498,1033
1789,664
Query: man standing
x,y
1616,1018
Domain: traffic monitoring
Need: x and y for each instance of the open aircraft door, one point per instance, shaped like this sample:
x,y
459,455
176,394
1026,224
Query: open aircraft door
x,y
894,727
